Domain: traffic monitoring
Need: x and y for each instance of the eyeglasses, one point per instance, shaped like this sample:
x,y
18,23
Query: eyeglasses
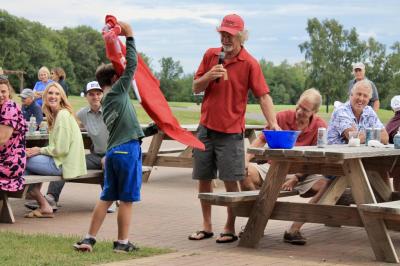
x,y
304,110
358,70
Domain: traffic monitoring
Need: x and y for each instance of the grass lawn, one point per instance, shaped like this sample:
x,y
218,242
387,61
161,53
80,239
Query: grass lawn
x,y
189,113
40,249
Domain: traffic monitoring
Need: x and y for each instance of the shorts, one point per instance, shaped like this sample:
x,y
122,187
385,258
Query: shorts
x,y
224,154
303,187
123,173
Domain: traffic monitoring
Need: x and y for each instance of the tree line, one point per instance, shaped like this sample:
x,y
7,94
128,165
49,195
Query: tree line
x,y
329,53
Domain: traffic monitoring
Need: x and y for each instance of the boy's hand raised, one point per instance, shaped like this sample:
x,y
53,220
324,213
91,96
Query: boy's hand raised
x,y
126,29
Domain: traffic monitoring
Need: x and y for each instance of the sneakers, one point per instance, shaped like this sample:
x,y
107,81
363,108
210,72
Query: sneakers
x,y
294,238
85,245
33,204
124,248
112,208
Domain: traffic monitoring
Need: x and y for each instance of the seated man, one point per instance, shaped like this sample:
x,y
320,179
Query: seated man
x,y
91,119
30,107
392,128
305,119
393,125
355,115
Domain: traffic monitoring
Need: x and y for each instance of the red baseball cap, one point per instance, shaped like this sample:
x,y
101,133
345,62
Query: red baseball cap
x,y
231,24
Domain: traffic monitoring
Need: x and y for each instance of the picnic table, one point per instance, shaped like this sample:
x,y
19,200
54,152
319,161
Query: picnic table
x,y
39,139
360,168
155,156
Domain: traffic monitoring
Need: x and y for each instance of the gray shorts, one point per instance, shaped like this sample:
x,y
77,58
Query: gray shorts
x,y
302,187
224,152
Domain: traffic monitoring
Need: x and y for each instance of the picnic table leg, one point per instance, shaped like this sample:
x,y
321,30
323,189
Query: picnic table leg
x,y
187,153
334,191
378,235
6,214
151,156
264,204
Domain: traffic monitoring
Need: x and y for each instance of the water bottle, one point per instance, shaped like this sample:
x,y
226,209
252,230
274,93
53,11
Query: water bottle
x,y
396,140
32,125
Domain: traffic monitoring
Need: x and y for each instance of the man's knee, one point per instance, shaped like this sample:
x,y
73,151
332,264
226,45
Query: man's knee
x,y
319,185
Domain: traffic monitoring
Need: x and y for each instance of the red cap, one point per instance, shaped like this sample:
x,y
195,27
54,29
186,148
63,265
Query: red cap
x,y
232,24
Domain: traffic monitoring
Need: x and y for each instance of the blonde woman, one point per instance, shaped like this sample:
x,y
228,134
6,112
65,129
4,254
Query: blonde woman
x,y
65,153
44,80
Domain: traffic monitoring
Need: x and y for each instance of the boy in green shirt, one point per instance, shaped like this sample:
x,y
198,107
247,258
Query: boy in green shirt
x,y
123,166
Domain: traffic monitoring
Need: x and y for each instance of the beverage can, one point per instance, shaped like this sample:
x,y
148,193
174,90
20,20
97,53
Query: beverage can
x,y
322,139
396,140
369,134
377,134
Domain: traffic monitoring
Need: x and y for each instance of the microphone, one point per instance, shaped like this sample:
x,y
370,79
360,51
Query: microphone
x,y
221,58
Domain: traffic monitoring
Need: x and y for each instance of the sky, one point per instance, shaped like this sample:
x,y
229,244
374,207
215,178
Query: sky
x,y
184,30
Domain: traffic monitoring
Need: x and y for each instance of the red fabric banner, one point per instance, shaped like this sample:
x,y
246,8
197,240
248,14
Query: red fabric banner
x,y
152,98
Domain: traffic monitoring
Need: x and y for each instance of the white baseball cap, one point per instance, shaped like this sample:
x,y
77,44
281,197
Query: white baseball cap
x,y
395,103
358,65
93,85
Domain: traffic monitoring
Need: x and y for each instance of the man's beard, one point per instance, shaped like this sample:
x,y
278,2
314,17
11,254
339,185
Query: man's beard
x,y
227,48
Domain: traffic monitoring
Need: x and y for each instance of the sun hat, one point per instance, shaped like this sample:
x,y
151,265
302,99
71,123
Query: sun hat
x,y
25,93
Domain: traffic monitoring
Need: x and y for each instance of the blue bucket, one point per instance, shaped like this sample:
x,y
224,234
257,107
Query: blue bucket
x,y
281,139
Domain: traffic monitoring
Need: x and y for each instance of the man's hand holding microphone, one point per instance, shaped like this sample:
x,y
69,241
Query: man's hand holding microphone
x,y
217,71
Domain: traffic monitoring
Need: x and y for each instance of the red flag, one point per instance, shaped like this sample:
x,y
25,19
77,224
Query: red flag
x,y
150,95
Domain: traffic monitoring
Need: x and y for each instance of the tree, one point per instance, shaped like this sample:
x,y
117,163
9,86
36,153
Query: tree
x,y
85,49
171,72
330,53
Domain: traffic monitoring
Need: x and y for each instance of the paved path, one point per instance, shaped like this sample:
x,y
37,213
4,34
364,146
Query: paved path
x,y
170,211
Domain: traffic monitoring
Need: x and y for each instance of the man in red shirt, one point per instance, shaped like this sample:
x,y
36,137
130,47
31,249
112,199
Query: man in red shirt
x,y
226,74
305,119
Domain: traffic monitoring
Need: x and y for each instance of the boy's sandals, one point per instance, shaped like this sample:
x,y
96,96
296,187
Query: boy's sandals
x,y
200,235
39,214
227,238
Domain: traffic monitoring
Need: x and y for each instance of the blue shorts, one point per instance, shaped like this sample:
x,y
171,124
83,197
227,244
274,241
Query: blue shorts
x,y
123,173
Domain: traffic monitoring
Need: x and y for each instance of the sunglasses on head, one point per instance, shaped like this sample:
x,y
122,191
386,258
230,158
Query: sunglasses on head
x,y
3,77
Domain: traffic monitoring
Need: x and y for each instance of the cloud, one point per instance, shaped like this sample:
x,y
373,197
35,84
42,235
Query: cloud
x,y
301,38
368,34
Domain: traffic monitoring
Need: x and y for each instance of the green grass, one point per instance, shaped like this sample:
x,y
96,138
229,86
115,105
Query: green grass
x,y
40,249
189,113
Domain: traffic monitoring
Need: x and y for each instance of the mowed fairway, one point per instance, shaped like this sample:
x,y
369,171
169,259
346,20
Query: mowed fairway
x,y
189,113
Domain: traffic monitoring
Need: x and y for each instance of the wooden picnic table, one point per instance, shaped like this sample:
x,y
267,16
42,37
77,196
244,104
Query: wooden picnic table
x,y
158,157
360,168
42,139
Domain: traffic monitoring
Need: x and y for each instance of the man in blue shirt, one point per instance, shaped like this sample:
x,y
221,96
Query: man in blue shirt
x,y
30,107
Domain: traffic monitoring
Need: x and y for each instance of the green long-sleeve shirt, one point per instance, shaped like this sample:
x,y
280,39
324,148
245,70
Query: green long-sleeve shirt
x,y
66,146
118,112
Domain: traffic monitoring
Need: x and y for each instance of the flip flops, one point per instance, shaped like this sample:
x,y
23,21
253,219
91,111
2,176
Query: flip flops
x,y
231,237
39,214
200,235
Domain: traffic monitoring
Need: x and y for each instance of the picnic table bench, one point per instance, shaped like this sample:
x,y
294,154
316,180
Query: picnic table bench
x,y
179,157
6,213
237,199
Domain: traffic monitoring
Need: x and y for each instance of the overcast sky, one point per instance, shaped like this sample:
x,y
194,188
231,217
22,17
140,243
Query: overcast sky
x,y
183,30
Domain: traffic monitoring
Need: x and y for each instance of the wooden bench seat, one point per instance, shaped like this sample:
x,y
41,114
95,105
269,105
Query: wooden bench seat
x,y
232,199
6,214
385,210
377,217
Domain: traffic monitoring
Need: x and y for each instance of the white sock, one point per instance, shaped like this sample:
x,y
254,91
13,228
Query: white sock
x,y
90,236
125,241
